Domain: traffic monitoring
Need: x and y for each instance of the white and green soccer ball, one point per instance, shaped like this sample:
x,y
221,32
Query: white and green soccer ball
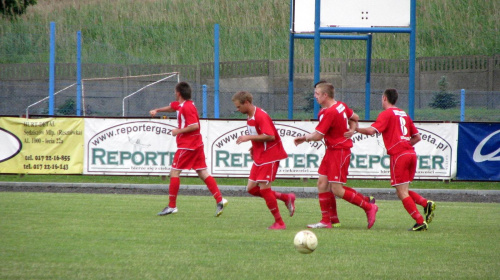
x,y
305,241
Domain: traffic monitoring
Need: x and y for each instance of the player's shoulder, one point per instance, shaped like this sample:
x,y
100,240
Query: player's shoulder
x,y
261,113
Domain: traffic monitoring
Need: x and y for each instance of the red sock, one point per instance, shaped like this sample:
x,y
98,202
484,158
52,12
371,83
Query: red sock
x,y
212,186
272,204
325,206
418,199
281,196
334,218
365,198
255,191
173,190
411,208
357,200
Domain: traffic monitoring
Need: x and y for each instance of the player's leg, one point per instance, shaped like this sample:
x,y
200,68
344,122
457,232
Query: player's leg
x,y
411,207
369,199
287,198
263,175
214,189
401,174
271,202
325,203
211,184
337,176
429,205
173,190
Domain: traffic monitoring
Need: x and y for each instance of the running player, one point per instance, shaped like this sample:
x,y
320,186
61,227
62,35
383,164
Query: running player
x,y
400,135
337,124
266,152
189,154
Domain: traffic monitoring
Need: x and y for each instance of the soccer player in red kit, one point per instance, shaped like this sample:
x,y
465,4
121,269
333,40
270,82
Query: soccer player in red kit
x,y
400,135
337,123
189,154
266,152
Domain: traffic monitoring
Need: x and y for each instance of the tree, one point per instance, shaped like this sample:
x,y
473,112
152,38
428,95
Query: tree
x,y
13,8
443,99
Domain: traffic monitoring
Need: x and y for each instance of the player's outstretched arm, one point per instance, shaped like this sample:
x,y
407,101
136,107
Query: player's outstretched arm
x,y
366,130
168,109
315,136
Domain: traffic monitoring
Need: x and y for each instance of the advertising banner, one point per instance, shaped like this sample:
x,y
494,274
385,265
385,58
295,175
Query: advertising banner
x,y
230,159
479,151
129,146
41,146
436,152
147,147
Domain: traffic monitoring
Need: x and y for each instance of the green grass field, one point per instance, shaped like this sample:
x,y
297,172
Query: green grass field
x,y
91,236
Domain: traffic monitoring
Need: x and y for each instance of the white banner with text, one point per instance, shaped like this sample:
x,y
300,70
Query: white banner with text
x,y
147,147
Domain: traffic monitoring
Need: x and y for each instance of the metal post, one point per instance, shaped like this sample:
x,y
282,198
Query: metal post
x,y
413,47
290,75
204,95
52,67
368,74
317,49
216,71
78,73
462,105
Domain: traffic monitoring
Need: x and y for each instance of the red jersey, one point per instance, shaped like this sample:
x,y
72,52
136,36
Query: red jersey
x,y
187,115
265,152
333,123
397,128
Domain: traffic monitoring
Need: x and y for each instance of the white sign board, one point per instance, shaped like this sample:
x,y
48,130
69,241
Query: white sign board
x,y
147,147
352,13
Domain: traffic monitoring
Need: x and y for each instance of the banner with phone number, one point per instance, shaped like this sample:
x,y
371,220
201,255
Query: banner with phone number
x,y
41,146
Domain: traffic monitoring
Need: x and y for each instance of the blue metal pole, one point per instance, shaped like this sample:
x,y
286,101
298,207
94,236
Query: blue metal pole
x,y
216,71
368,76
290,75
78,73
204,87
52,67
317,49
413,47
291,52
462,105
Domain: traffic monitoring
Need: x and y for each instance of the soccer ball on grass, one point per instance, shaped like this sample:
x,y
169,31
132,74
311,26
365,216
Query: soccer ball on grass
x,y
305,241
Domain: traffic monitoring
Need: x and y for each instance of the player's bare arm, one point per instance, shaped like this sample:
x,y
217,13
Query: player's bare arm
x,y
366,130
186,129
415,139
315,136
258,138
162,109
353,124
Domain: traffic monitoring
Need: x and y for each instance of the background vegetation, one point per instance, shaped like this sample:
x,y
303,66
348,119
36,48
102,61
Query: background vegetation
x,y
181,32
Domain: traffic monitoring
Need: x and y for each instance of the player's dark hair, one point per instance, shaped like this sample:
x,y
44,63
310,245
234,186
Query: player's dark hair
x,y
320,82
184,89
392,95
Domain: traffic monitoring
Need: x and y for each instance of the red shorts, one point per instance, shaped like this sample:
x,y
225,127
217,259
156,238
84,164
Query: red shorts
x,y
335,165
189,159
264,173
403,168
